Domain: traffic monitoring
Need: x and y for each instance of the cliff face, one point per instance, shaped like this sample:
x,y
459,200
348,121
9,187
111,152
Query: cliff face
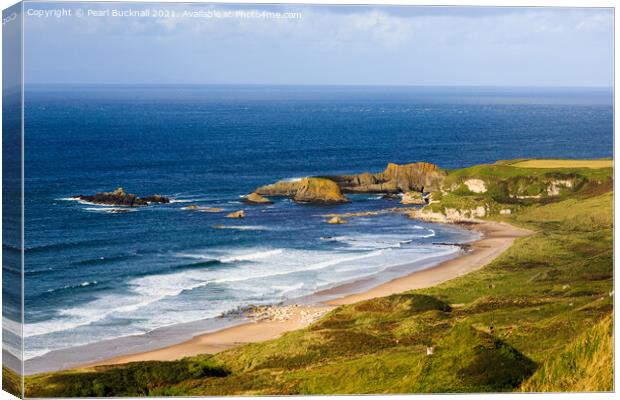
x,y
307,190
416,177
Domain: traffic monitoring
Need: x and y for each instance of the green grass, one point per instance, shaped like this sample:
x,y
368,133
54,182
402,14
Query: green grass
x,y
538,318
11,382
584,365
133,379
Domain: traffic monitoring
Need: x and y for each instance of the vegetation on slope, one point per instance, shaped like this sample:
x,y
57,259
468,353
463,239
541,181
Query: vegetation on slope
x,y
129,380
586,364
11,382
538,318
510,189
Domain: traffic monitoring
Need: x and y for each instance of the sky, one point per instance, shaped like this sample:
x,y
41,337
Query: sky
x,y
317,45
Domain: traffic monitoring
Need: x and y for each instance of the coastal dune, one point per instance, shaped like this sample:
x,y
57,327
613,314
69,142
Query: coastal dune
x,y
273,322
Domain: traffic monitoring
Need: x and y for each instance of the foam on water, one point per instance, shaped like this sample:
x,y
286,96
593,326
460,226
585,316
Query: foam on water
x,y
110,210
80,285
294,179
256,276
245,227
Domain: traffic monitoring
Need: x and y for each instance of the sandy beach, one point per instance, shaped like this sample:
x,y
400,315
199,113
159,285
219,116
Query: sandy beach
x,y
273,321
496,238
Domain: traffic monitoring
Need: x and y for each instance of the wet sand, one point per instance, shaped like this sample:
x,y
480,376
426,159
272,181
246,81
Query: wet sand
x,y
276,321
272,322
496,238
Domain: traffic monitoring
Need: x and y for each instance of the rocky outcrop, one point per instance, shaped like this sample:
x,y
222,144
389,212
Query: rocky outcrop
x,y
557,185
449,215
476,185
120,198
413,198
236,214
256,199
156,198
337,221
415,177
307,190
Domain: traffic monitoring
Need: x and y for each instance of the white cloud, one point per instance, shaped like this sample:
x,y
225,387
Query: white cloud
x,y
366,45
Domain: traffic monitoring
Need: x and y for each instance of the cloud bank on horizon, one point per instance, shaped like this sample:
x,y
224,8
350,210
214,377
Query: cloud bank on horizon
x,y
349,45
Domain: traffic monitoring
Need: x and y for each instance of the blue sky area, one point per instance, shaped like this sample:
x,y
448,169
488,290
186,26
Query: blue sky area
x,y
332,45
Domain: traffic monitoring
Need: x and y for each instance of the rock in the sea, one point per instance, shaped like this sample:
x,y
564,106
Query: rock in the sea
x,y
415,177
256,199
391,196
156,198
191,207
306,190
319,190
120,198
337,220
395,179
236,214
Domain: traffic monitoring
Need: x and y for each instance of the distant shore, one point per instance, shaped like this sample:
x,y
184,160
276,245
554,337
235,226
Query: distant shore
x,y
272,322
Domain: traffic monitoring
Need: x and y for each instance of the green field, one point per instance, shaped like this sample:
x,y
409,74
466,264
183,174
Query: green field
x,y
550,163
538,318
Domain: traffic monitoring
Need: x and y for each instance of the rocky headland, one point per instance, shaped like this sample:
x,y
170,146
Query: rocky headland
x,y
417,177
120,198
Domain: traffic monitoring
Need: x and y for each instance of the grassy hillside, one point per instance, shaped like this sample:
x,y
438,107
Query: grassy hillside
x,y
11,382
538,318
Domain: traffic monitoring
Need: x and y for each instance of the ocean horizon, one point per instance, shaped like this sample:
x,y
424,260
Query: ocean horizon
x,y
95,274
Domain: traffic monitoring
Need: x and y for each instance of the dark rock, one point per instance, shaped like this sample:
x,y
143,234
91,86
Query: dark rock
x,y
390,196
120,198
156,198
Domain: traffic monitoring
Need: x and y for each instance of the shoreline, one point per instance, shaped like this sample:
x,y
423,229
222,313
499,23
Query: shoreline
x,y
496,238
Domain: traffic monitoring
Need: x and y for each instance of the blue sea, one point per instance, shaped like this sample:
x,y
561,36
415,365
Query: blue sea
x,y
93,275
